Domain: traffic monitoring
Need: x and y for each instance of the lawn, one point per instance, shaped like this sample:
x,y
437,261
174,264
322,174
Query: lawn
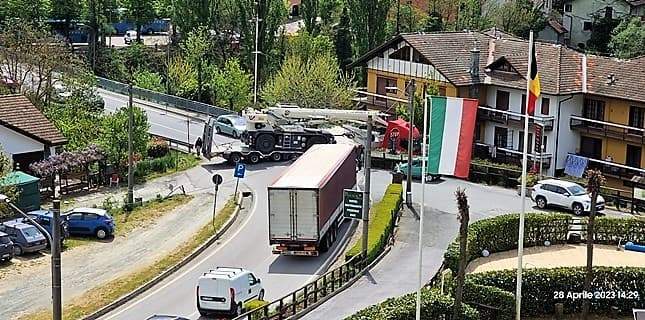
x,y
104,294
173,162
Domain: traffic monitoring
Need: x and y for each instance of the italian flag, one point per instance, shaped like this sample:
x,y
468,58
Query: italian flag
x,y
452,128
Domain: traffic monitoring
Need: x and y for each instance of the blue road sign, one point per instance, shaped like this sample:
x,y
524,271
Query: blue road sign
x,y
240,168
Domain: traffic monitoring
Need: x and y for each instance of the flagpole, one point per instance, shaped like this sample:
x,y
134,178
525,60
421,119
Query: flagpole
x,y
423,201
520,241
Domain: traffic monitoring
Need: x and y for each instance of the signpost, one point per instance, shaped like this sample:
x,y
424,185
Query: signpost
x,y
394,138
217,180
240,170
353,204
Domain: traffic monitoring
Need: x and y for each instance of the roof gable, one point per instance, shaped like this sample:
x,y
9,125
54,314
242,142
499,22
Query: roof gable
x,y
19,114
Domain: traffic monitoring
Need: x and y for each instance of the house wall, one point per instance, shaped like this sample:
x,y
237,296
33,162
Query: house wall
x,y
568,140
401,79
549,34
583,10
16,143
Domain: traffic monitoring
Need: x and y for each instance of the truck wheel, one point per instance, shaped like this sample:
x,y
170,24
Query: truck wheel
x,y
235,158
265,143
276,157
254,158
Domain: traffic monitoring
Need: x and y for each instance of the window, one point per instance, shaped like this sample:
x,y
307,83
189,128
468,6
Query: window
x,y
501,137
418,58
587,26
523,106
544,144
381,84
594,109
577,190
90,216
5,240
76,216
521,142
30,232
609,13
501,102
560,190
591,147
636,117
633,156
252,280
401,54
478,129
568,7
545,106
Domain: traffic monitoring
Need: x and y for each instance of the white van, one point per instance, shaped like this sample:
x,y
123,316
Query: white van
x,y
130,36
224,290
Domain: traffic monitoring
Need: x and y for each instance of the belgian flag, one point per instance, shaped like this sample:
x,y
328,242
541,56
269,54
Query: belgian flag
x,y
534,83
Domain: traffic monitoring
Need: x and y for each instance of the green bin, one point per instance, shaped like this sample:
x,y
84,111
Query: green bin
x,y
28,188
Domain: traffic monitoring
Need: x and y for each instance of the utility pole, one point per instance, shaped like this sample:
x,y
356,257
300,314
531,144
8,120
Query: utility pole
x,y
256,52
56,266
130,160
367,159
408,180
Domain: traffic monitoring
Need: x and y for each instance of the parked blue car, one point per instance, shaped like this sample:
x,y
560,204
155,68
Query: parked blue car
x,y
25,237
6,247
44,218
90,221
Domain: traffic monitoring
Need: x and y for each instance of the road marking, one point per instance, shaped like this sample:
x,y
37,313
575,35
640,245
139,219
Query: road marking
x,y
194,266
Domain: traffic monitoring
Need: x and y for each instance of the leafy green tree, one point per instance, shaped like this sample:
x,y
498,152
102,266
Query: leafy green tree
x,y
306,46
196,47
316,83
182,78
343,40
113,135
434,22
470,16
519,17
602,29
628,39
110,64
140,12
368,23
233,86
148,80
30,11
309,10
136,57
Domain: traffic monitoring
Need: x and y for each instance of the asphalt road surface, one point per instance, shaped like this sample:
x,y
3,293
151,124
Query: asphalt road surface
x,y
245,245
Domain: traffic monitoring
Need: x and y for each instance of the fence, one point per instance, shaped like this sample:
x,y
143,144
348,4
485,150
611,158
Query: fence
x,y
166,99
311,295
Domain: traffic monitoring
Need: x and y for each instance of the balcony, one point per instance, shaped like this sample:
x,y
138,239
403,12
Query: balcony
x,y
510,156
616,170
515,118
384,103
607,129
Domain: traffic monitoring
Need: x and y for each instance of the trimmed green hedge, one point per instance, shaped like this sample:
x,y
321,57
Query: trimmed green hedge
x,y
433,305
610,230
500,234
540,286
381,223
490,296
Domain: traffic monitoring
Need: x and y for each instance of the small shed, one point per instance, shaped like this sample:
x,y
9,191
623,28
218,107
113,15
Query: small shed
x,y
27,185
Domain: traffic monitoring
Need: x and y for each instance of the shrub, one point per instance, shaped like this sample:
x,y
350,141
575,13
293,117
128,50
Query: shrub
x,y
157,148
500,234
381,223
612,230
540,287
490,296
254,304
433,306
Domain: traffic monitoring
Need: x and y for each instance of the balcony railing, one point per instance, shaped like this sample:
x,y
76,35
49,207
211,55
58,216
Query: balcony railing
x,y
607,129
510,117
614,169
510,156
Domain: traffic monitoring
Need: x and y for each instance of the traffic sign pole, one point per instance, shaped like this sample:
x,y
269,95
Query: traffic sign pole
x,y
217,180
240,170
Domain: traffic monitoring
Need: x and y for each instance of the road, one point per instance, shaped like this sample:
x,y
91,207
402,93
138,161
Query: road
x,y
245,245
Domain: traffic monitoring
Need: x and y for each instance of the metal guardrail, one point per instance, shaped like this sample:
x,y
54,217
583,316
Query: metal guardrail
x,y
310,295
162,98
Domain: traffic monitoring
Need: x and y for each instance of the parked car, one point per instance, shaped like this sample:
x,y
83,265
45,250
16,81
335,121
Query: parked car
x,y
44,218
90,221
225,290
564,194
233,125
6,247
416,170
25,237
130,36
165,317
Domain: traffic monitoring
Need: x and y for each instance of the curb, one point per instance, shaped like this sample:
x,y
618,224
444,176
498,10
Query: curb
x,y
168,272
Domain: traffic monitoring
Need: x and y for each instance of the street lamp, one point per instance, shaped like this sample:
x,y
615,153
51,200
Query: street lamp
x,y
54,243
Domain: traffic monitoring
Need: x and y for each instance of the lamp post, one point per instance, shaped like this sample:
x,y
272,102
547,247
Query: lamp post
x,y
54,242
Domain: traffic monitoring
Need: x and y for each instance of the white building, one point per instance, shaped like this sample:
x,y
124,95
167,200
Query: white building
x,y
25,134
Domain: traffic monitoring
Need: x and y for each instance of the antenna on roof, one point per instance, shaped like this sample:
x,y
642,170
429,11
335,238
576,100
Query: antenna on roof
x,y
611,79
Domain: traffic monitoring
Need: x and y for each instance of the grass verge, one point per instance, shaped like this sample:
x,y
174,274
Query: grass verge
x,y
104,294
139,217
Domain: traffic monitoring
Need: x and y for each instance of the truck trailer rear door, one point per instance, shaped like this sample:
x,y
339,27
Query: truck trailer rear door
x,y
306,214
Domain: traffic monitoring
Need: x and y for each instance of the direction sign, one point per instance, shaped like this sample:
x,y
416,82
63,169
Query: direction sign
x,y
217,179
353,204
240,169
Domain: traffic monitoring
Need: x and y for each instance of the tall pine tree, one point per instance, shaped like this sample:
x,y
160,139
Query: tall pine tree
x,y
343,40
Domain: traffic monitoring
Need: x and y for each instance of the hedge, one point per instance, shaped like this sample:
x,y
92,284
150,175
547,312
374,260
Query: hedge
x,y
500,234
612,230
539,286
433,306
490,296
381,223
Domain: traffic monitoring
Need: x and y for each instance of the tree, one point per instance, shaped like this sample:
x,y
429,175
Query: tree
x,y
595,180
470,16
464,217
602,28
148,80
113,135
628,39
6,167
306,46
343,40
140,12
196,46
182,78
434,22
309,12
28,11
519,17
65,11
316,83
368,23
232,86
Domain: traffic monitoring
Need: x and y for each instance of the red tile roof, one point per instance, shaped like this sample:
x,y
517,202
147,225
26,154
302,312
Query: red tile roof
x,y
19,114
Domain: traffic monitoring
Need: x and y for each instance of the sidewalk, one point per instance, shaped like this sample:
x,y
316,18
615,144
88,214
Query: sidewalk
x,y
88,266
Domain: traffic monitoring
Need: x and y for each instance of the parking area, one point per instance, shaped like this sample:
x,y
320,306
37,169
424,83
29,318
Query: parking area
x,y
148,40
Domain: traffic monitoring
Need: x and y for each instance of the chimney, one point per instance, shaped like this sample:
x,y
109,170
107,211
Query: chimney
x,y
474,64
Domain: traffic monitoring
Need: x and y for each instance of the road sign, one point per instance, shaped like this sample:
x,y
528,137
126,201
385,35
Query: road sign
x,y
240,168
395,133
353,204
217,179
